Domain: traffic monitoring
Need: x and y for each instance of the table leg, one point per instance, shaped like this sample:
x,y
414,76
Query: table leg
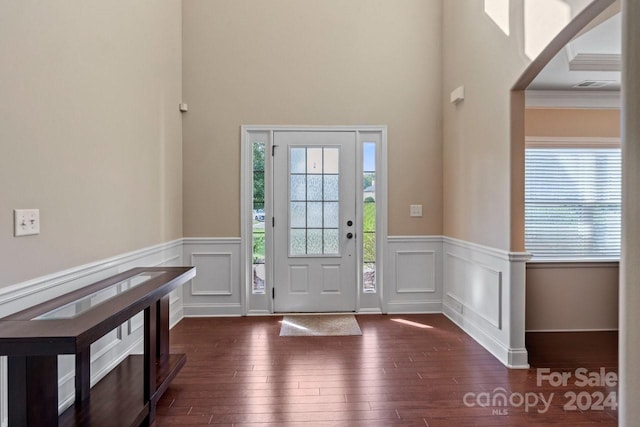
x,y
162,326
83,375
150,356
33,391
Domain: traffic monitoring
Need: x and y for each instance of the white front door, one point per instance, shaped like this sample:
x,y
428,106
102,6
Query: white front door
x,y
314,221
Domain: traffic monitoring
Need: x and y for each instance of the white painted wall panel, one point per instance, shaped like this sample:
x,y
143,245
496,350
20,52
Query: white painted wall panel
x,y
484,293
415,271
413,275
216,290
215,275
476,286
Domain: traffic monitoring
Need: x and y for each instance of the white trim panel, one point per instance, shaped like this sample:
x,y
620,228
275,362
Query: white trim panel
x,y
216,277
216,290
416,271
413,275
476,287
485,295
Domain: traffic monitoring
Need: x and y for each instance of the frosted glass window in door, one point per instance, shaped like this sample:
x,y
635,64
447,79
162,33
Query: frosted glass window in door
x,y
314,194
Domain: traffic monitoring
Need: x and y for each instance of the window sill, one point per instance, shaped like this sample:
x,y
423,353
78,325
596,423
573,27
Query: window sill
x,y
573,263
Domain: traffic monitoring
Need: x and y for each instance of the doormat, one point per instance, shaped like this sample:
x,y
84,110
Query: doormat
x,y
319,325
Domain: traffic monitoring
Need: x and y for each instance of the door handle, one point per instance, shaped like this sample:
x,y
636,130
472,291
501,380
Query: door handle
x,y
349,235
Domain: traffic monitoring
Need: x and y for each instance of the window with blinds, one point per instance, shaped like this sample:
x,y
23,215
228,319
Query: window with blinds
x,y
572,202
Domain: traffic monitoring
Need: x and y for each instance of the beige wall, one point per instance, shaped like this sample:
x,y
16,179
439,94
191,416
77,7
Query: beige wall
x,y
488,61
572,297
329,62
90,132
572,122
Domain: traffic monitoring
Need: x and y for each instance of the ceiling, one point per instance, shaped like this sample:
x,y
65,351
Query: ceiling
x,y
590,62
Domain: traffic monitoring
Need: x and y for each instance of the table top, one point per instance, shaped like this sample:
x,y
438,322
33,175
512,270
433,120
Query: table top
x,y
70,322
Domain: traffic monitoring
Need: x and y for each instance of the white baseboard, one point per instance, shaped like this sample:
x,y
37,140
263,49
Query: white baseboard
x,y
510,357
415,307
369,311
570,330
255,313
213,310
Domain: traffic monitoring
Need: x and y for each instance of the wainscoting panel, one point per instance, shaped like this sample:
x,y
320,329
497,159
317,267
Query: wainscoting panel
x,y
216,290
484,293
479,288
215,275
116,345
415,268
476,286
413,275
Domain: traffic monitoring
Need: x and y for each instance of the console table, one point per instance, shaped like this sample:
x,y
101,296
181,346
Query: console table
x,y
127,396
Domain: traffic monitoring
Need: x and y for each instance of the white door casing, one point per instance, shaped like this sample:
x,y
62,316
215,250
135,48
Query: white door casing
x,y
315,256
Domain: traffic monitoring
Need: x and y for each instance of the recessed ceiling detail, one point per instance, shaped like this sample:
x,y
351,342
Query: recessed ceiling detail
x,y
590,61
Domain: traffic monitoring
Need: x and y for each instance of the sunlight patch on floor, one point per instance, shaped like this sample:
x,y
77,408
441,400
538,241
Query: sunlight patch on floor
x,y
410,323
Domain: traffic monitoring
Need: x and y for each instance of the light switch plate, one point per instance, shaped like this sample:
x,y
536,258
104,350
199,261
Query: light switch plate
x,y
415,210
26,222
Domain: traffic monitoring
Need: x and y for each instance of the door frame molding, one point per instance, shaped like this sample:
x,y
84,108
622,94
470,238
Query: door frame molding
x,y
262,304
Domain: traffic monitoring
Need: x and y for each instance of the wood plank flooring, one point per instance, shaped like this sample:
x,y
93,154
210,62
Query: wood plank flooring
x,y
405,370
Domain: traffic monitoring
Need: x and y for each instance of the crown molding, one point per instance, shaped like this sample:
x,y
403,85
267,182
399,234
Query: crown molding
x,y
596,62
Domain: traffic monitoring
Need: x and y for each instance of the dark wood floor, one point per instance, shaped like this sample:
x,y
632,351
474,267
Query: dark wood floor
x,y
239,372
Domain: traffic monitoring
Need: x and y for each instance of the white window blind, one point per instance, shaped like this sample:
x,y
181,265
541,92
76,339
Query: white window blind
x,y
572,203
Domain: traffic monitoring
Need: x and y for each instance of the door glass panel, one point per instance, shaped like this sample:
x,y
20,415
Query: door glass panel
x,y
314,187
298,241
314,160
331,189
331,242
314,241
331,212
298,187
314,194
298,214
298,160
331,160
314,214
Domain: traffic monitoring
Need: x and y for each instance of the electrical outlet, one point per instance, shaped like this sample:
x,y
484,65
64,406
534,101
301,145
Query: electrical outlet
x,y
26,222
